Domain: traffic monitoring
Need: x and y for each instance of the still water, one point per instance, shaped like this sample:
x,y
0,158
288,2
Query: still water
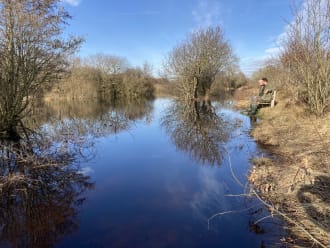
x,y
143,175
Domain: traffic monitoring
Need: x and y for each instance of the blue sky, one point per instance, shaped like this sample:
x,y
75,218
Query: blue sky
x,y
146,30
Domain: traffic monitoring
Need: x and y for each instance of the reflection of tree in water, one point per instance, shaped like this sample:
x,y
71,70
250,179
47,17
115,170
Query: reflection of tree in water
x,y
197,129
41,184
40,192
93,118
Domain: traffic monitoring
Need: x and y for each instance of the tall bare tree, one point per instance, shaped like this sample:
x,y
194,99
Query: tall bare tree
x,y
196,61
306,53
108,64
33,54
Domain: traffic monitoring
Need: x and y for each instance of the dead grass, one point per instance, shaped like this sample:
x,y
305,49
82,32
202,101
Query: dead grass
x,y
163,89
297,182
242,96
295,135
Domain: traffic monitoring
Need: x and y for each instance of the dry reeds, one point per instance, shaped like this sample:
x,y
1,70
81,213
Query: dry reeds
x,y
298,181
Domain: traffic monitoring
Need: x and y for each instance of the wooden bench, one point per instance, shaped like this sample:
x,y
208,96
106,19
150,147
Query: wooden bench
x,y
271,102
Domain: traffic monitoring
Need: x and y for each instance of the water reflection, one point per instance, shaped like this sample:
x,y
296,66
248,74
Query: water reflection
x,y
210,196
145,195
42,185
91,118
197,129
40,191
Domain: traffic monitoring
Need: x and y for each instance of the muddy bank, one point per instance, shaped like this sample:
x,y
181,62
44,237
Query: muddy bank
x,y
296,180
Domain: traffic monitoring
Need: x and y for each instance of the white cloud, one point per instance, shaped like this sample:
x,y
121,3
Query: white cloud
x,y
86,170
251,64
207,13
273,51
323,6
210,195
72,2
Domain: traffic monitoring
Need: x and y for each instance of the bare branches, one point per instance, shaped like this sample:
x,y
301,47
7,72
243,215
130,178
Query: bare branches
x,y
108,64
228,212
306,53
33,53
273,208
40,192
196,61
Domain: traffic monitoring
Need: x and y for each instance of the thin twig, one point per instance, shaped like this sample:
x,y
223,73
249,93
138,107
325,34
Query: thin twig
x,y
274,209
238,195
231,168
263,218
228,212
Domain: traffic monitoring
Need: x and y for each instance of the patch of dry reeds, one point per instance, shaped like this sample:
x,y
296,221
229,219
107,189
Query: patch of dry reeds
x,y
242,96
297,182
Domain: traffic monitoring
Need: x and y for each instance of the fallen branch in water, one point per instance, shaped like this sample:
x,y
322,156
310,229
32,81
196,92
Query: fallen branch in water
x,y
278,212
272,208
228,212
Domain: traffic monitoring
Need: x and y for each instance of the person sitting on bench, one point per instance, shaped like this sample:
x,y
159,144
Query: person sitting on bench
x,y
265,93
265,96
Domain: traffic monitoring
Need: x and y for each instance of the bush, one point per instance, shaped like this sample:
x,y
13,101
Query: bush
x,y
87,82
137,84
306,54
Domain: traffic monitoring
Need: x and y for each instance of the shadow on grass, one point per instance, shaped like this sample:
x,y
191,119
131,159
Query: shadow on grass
x,y
316,200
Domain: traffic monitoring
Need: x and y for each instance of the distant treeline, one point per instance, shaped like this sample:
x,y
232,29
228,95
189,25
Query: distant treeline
x,y
108,78
105,78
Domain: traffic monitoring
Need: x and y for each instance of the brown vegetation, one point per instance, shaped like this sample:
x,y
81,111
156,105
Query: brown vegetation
x,y
40,190
297,181
101,82
303,64
243,94
164,88
306,54
197,61
33,54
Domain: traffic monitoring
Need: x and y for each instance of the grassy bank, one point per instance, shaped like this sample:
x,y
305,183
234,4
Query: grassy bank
x,y
296,181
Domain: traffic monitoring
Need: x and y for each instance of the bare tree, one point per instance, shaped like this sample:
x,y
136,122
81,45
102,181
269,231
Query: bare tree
x,y
108,64
196,61
306,53
147,69
33,54
109,68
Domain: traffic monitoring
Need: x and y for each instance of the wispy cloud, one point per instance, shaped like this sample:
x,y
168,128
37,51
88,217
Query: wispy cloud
x,y
72,2
210,195
276,45
86,170
273,51
279,40
207,13
251,64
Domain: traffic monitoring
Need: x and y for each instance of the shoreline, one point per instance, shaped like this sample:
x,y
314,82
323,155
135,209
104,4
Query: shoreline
x,y
296,182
